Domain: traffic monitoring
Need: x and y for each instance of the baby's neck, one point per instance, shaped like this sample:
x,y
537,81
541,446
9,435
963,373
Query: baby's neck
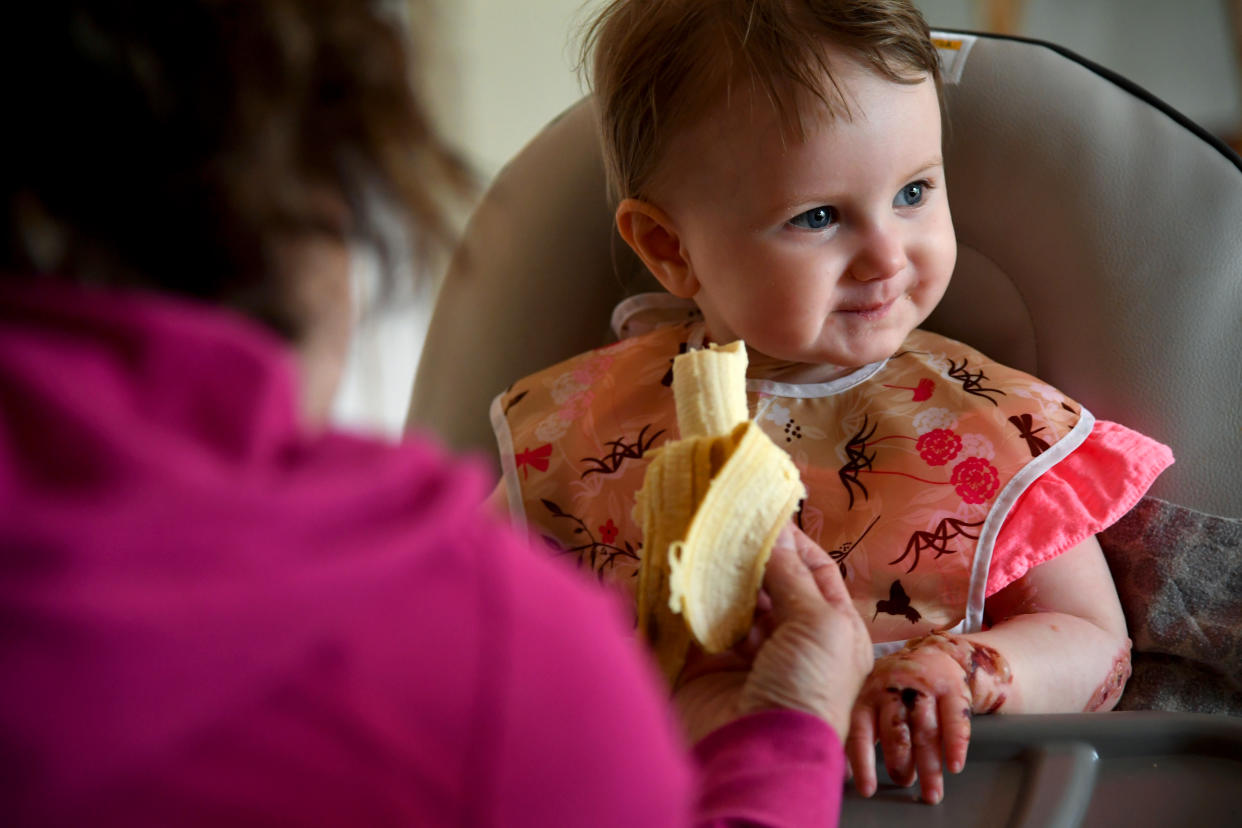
x,y
796,373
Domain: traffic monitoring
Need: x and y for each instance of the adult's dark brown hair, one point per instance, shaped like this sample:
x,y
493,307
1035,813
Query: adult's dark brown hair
x,y
178,145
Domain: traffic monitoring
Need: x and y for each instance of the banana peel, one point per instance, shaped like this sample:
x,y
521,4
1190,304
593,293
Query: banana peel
x,y
711,506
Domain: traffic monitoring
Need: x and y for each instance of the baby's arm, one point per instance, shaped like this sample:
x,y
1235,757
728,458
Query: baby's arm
x,y
1058,644
1064,635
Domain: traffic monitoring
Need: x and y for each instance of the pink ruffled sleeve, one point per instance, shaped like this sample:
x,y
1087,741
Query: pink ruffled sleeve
x,y
1084,494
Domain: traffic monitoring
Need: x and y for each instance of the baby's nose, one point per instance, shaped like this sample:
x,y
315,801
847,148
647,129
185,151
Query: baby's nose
x,y
881,255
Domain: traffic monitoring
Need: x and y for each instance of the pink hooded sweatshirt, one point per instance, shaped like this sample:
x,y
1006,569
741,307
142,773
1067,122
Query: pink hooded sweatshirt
x,y
211,616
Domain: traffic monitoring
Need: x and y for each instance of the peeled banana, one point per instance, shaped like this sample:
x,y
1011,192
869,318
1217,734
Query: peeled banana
x,y
711,506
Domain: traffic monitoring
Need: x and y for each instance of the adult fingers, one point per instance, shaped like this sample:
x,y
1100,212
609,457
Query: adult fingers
x,y
826,573
811,553
854,651
763,602
787,580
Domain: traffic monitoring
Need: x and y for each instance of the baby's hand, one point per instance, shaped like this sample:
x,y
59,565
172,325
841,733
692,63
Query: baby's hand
x,y
917,703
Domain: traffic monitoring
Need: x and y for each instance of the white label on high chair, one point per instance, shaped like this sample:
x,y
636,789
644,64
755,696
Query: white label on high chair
x,y
953,48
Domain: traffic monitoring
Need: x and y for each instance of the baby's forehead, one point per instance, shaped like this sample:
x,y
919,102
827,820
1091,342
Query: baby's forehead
x,y
744,115
747,100
744,127
706,152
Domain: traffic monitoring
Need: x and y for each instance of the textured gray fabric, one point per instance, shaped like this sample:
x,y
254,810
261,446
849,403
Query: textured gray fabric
x,y
1179,575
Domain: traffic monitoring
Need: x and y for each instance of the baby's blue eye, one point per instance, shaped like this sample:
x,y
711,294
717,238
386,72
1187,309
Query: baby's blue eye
x,y
911,194
817,218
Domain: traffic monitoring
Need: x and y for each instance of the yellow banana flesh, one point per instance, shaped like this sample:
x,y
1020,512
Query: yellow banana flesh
x,y
709,386
710,506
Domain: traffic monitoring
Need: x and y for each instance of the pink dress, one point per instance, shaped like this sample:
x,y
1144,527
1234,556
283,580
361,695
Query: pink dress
x,y
214,617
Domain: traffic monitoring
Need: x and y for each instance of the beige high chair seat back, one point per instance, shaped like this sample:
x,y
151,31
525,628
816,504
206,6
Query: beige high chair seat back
x,y
1100,248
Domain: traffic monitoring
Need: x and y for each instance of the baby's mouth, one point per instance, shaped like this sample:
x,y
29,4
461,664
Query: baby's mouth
x,y
870,311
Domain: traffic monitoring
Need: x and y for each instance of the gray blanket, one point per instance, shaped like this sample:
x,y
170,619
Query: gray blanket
x,y
1179,575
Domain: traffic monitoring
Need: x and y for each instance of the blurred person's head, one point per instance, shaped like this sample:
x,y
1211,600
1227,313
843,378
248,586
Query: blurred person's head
x,y
223,150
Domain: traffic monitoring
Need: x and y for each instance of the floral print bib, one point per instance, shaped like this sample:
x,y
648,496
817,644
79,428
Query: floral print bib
x,y
911,465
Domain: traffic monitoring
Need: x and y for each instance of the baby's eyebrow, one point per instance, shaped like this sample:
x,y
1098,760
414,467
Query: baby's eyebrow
x,y
936,163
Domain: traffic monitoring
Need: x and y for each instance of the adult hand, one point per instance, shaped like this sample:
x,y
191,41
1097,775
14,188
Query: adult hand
x,y
808,651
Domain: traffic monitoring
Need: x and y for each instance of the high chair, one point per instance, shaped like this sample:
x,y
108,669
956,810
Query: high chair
x,y
1100,248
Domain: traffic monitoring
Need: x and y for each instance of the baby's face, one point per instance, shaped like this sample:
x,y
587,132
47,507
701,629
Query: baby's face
x,y
830,250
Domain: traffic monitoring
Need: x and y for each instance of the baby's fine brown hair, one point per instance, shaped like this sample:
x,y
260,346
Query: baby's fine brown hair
x,y
655,66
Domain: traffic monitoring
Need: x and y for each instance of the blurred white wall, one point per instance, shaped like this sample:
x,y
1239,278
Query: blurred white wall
x,y
501,69
515,69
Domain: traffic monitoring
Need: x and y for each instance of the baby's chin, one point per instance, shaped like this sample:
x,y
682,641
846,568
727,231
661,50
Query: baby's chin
x,y
831,348
864,348
844,355
796,366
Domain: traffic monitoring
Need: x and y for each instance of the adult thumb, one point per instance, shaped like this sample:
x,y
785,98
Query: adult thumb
x,y
787,579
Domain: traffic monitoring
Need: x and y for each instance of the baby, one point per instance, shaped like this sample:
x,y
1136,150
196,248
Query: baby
x,y
778,168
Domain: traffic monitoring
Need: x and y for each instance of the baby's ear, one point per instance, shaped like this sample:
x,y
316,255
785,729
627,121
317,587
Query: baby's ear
x,y
650,232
